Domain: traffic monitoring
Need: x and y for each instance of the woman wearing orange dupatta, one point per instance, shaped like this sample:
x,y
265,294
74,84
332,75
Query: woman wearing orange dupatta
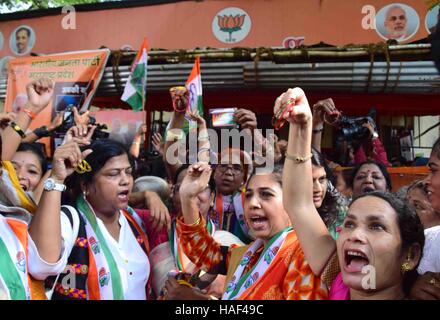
x,y
272,266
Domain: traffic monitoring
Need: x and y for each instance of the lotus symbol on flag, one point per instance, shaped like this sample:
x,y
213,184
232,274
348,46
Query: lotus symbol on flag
x,y
230,24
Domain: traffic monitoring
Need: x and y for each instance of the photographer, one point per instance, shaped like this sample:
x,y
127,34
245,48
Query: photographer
x,y
370,148
358,140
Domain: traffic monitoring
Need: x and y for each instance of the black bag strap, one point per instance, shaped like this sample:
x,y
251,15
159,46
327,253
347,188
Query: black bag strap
x,y
67,212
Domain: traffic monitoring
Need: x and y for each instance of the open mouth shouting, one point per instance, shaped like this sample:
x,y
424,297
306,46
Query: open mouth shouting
x,y
123,196
367,188
258,222
355,260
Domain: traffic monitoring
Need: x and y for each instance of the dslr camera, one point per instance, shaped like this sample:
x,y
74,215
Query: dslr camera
x,y
352,129
69,122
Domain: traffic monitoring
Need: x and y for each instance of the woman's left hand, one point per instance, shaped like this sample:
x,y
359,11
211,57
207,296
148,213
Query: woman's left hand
x,y
160,216
195,116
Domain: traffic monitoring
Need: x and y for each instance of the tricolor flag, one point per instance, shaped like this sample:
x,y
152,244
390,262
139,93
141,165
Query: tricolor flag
x,y
194,86
136,87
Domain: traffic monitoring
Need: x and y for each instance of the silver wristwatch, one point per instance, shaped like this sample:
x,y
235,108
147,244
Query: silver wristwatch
x,y
50,185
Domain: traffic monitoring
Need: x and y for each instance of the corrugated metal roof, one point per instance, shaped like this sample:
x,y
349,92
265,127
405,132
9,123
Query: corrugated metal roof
x,y
282,68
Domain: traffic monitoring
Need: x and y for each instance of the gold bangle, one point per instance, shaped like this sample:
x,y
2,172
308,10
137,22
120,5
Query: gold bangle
x,y
184,283
195,223
299,159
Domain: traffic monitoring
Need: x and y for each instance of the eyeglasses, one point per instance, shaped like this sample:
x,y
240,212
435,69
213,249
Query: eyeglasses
x,y
235,168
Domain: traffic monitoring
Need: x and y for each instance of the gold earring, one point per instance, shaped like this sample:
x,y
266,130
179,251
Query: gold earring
x,y
405,267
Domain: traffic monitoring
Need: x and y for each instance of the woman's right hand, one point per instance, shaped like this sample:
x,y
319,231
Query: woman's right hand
x,y
39,93
300,113
66,158
195,181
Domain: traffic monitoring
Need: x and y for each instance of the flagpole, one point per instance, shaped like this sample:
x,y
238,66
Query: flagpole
x,y
147,121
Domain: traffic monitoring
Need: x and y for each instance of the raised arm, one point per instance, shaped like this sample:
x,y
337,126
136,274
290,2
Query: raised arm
x,y
45,228
316,242
200,247
321,109
39,93
136,144
203,144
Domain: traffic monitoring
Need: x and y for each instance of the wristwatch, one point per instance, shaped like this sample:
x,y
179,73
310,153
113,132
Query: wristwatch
x,y
50,185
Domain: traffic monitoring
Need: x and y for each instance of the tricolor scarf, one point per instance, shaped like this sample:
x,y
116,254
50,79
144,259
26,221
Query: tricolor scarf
x,y
239,282
15,282
238,202
104,283
181,260
15,203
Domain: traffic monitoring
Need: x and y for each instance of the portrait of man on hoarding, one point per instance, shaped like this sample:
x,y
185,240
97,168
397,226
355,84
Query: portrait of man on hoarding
x,y
397,21
432,19
22,40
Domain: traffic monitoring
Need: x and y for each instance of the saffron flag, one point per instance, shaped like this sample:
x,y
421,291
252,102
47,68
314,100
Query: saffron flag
x,y
136,87
194,86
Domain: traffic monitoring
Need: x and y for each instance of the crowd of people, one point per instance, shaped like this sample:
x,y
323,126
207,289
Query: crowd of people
x,y
88,226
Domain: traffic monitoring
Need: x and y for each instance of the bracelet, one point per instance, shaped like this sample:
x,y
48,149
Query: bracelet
x,y
318,130
203,137
136,143
18,129
298,159
204,149
184,283
30,113
42,132
278,120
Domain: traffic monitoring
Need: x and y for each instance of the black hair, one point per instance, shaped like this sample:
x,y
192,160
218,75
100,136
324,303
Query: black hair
x,y
28,31
179,171
381,167
318,160
410,227
333,200
103,150
436,148
276,173
38,150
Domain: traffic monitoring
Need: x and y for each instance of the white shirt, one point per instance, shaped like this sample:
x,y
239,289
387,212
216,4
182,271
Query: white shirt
x,y
431,252
132,262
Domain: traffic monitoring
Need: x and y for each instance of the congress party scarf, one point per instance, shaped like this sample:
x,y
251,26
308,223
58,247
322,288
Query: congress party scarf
x,y
109,278
14,277
239,282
